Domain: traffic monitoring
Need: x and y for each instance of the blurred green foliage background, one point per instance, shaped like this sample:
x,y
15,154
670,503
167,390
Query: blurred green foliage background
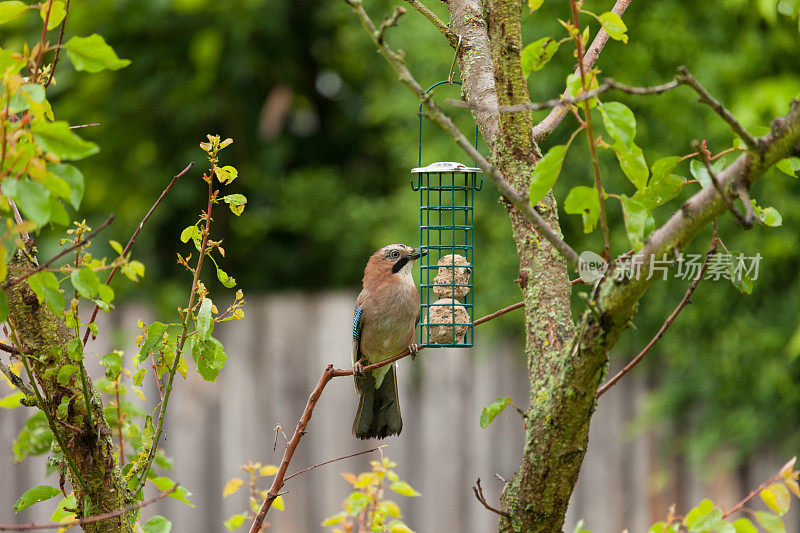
x,y
325,137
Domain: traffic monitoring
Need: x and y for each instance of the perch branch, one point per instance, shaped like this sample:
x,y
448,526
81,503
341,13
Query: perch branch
x,y
449,34
397,62
91,519
133,239
478,490
685,78
328,374
303,471
667,323
26,275
544,128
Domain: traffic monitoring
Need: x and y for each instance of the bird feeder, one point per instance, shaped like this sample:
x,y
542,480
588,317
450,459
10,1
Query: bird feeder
x,y
446,233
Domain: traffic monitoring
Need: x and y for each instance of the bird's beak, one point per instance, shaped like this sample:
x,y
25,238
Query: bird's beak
x,y
417,253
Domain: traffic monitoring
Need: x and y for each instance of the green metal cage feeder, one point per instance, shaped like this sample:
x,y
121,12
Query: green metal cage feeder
x,y
446,233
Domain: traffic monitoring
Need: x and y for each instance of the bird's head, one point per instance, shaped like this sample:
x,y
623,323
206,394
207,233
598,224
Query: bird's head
x,y
394,259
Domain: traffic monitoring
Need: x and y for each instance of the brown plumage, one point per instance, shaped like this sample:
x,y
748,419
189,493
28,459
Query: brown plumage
x,y
387,312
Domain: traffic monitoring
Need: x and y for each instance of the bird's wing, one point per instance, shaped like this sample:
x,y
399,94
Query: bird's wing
x,y
358,322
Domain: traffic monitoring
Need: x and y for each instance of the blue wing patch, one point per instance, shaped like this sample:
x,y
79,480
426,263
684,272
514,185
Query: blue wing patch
x,y
356,325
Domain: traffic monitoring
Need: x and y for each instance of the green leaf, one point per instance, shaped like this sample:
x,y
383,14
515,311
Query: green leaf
x,y
37,494
209,357
335,519
739,276
10,62
3,301
619,121
65,373
614,26
575,87
35,438
180,494
660,190
106,293
699,512
583,201
535,4
768,215
205,322
491,411
404,489
92,54
663,167
74,178
546,173
26,94
157,524
777,498
75,349
133,270
12,400
113,364
226,174
236,203
790,166
226,280
536,55
32,198
61,511
57,13
85,282
700,172
235,521
154,340
58,139
58,214
355,503
11,10
744,525
632,162
770,522
635,214
45,285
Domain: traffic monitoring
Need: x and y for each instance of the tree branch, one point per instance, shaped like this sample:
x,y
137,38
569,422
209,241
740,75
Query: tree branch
x,y
685,78
91,519
15,379
328,374
437,115
449,34
667,323
543,129
478,490
9,282
744,221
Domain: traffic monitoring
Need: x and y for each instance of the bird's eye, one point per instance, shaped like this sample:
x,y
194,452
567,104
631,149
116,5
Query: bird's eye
x,y
394,254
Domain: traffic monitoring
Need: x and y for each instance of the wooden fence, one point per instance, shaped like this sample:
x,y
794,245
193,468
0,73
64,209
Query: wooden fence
x,y
276,355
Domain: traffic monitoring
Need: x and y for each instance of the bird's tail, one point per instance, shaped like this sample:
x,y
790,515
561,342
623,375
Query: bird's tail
x,y
378,413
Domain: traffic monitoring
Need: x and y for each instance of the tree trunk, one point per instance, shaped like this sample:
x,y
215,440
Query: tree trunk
x,y
44,336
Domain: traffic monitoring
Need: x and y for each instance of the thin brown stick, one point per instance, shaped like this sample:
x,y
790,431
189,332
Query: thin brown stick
x,y
590,134
41,44
58,50
544,128
91,519
740,218
685,77
15,379
389,21
328,374
26,275
788,466
482,499
287,478
10,348
449,34
133,240
80,126
667,323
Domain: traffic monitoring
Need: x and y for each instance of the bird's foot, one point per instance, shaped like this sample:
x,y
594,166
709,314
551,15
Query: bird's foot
x,y
413,349
358,368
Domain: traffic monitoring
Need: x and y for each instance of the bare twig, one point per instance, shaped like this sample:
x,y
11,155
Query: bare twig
x,y
58,50
397,62
15,379
608,84
788,466
10,348
91,519
478,490
79,126
389,21
26,275
133,239
285,438
287,478
544,128
449,34
328,374
667,323
744,221
685,78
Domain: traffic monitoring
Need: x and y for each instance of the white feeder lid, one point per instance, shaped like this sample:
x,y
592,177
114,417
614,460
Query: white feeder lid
x,y
445,166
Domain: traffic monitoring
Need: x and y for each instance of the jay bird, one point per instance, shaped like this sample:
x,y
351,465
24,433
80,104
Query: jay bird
x,y
386,316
